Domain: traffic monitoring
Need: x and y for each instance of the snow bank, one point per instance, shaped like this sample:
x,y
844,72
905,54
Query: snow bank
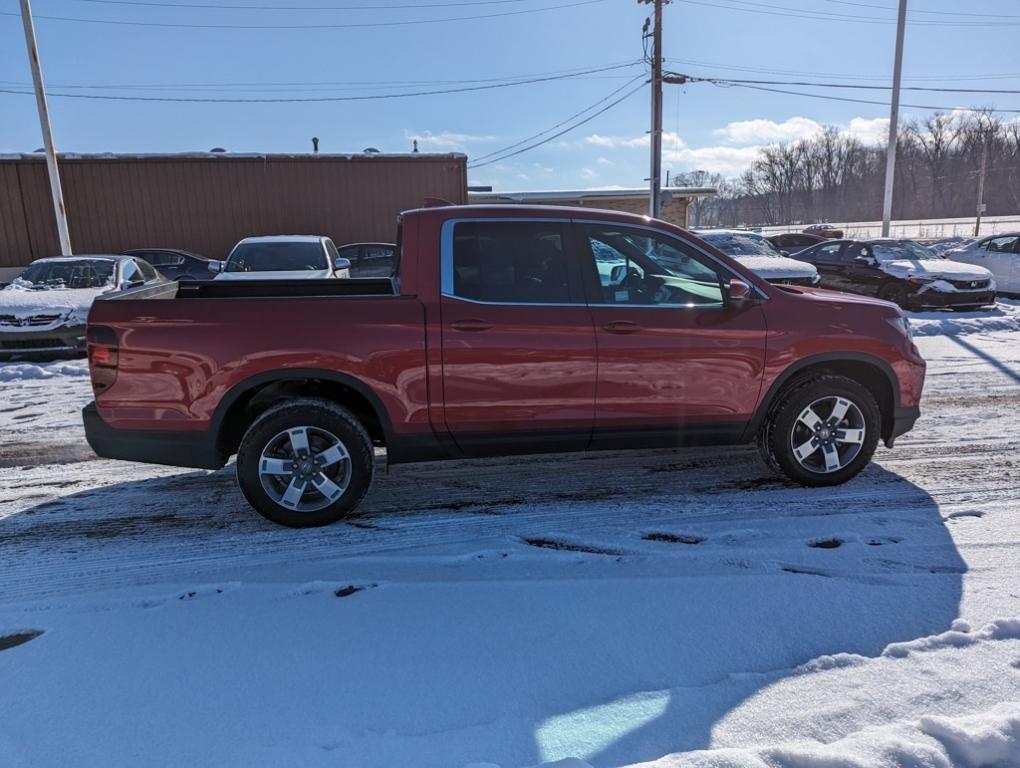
x,y
981,740
958,636
27,371
1004,317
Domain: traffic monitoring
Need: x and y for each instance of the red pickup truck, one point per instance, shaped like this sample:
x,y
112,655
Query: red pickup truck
x,y
507,329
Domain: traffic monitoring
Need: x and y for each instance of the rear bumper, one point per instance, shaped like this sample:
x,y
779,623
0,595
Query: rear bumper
x,y
176,449
903,422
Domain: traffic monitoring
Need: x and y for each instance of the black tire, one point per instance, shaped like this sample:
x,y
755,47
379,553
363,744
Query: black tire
x,y
321,417
895,293
782,426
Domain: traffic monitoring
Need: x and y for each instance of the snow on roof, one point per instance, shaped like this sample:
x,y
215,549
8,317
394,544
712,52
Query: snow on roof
x,y
283,239
81,256
587,194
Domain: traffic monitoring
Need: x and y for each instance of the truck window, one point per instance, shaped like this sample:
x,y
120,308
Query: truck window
x,y
517,262
638,268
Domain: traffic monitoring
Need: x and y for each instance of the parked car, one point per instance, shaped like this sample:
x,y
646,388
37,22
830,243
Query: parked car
x,y
940,245
792,243
828,231
276,257
499,336
758,254
370,259
999,254
43,311
174,264
901,271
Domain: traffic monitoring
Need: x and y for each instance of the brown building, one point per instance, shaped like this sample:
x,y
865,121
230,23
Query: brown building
x,y
675,200
206,202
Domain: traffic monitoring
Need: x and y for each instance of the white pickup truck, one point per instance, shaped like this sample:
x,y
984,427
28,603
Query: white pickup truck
x,y
282,257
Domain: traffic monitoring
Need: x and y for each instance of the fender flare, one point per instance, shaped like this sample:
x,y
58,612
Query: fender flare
x,y
825,357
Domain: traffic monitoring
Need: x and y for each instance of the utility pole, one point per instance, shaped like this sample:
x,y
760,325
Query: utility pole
x,y
894,117
655,134
981,186
44,123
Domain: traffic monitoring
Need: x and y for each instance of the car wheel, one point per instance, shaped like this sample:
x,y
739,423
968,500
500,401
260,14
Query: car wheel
x,y
822,431
895,293
305,463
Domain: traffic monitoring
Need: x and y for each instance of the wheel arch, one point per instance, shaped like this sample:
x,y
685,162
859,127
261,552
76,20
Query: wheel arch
x,y
869,370
247,400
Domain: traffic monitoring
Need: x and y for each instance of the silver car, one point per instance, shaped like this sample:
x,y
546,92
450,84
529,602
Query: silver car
x,y
999,254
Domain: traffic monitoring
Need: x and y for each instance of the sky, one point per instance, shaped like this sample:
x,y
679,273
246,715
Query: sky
x,y
707,127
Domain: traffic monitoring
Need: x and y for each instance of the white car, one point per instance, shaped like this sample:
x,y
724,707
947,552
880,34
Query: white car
x,y
44,310
760,256
282,257
999,254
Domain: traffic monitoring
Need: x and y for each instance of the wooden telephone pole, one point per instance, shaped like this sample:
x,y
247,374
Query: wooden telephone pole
x,y
655,134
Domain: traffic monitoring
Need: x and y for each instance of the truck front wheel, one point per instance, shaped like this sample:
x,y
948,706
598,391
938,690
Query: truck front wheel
x,y
305,463
822,431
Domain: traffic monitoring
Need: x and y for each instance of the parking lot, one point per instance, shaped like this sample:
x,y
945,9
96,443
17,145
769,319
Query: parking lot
x,y
608,607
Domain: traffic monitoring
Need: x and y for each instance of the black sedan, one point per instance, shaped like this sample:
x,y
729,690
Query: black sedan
x,y
901,271
790,243
174,264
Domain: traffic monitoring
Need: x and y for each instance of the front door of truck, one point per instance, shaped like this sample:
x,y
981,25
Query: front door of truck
x,y
518,346
677,359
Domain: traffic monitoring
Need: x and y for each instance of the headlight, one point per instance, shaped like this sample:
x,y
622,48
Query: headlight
x,y
77,316
901,324
916,280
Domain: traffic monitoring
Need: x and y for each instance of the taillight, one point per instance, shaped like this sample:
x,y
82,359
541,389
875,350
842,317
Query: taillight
x,y
104,356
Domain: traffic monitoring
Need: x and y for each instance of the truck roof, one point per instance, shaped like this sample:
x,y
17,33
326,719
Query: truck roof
x,y
283,238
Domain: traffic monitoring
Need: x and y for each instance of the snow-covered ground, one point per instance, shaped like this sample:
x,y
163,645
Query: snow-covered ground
x,y
682,607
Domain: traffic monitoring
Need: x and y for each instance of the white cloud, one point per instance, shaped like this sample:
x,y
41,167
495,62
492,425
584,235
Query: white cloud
x,y
873,131
761,131
616,142
604,161
445,139
588,174
729,161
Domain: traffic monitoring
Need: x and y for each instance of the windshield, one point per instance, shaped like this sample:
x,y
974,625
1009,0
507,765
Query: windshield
x,y
276,257
80,273
740,244
903,249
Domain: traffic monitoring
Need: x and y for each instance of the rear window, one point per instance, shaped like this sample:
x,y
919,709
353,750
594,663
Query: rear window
x,y
276,257
739,244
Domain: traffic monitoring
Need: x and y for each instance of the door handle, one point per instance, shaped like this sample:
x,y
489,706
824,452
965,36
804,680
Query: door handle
x,y
622,326
471,326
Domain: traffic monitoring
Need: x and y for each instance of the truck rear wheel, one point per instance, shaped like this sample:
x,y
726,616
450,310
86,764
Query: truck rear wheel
x,y
305,463
822,431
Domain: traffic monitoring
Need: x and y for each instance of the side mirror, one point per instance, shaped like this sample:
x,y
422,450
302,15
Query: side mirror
x,y
341,264
131,284
215,267
739,290
866,260
618,273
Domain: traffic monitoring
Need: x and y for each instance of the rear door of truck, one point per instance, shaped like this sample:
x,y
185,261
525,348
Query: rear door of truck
x,y
518,345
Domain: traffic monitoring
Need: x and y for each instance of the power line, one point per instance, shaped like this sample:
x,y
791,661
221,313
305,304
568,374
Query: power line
x,y
267,100
692,78
566,130
725,84
922,10
579,73
356,25
803,13
841,75
402,6
559,124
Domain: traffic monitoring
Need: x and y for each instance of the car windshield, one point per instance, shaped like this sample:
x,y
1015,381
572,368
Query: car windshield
x,y
276,257
903,250
740,244
77,273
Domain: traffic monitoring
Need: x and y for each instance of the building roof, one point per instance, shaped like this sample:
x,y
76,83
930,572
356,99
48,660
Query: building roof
x,y
565,195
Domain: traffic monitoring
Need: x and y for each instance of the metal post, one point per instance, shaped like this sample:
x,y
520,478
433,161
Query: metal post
x,y
44,124
981,186
655,191
894,118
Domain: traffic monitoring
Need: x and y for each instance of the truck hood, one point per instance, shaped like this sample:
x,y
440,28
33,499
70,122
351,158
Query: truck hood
x,y
293,274
777,267
944,268
21,302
